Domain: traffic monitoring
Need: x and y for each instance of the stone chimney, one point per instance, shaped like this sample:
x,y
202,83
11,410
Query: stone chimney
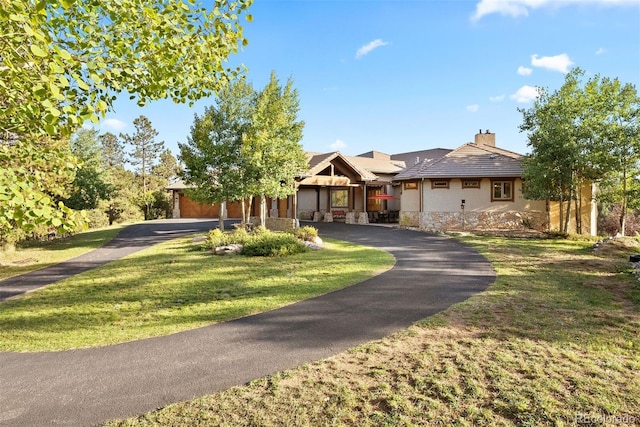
x,y
486,138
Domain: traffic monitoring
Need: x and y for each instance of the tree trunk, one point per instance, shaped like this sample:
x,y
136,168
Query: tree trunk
x,y
221,216
567,217
244,221
578,209
263,210
623,210
249,206
561,213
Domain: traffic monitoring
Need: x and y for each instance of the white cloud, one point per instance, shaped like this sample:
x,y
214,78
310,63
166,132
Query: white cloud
x,y
496,98
367,48
338,145
600,51
515,8
473,108
524,71
555,63
525,94
113,124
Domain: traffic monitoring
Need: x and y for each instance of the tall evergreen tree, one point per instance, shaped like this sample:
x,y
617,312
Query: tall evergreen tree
x,y
144,157
112,150
90,184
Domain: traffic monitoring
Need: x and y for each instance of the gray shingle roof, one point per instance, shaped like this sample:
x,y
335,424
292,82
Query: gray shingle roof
x,y
468,161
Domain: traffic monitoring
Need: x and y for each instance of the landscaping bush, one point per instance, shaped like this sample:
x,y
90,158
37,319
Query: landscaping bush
x,y
216,238
609,222
306,233
273,244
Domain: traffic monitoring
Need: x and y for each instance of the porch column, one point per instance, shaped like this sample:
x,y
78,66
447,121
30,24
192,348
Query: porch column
x,y
176,204
294,204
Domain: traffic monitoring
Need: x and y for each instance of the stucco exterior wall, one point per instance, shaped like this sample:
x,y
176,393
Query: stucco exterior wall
x,y
410,199
588,213
476,199
306,203
442,208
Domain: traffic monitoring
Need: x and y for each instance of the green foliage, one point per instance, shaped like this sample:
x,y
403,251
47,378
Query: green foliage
x,y
306,233
64,62
272,142
580,134
112,150
247,145
89,189
97,218
259,241
273,244
213,157
145,148
32,177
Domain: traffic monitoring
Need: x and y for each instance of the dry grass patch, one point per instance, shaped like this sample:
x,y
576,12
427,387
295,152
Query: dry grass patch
x,y
556,338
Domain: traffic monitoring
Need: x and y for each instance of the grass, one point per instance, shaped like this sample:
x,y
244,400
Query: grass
x,y
173,287
30,256
554,341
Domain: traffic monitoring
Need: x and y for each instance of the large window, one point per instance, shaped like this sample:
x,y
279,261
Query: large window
x,y
339,198
502,191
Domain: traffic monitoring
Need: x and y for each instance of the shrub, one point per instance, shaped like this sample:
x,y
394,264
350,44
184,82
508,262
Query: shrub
x,y
273,244
97,218
306,233
609,222
215,238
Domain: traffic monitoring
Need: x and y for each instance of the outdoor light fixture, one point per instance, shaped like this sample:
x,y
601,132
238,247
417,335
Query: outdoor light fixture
x,y
462,204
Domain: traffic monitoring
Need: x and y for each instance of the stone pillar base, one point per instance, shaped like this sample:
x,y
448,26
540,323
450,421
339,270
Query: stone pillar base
x,y
363,218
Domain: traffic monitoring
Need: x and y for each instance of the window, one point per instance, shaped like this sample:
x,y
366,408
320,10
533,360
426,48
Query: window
x,y
439,183
502,191
410,185
470,183
339,198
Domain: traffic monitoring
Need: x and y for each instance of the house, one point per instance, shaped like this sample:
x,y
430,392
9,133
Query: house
x,y
478,186
335,184
475,186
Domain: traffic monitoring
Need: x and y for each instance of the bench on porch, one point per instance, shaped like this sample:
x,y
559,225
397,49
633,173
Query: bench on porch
x,y
338,215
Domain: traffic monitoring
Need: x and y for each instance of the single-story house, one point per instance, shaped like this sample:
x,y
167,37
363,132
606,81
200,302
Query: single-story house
x,y
479,186
476,186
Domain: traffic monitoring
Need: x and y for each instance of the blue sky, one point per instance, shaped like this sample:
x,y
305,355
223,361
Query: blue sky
x,y
399,76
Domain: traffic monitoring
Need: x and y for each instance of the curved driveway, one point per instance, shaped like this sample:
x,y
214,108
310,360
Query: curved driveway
x,y
89,386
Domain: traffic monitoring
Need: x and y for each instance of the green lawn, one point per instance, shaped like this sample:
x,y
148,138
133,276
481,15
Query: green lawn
x,y
32,256
554,341
173,287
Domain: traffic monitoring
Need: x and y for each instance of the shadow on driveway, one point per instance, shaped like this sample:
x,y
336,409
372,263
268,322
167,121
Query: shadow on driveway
x,y
90,386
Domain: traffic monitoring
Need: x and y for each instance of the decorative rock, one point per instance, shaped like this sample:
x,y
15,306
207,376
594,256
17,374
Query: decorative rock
x,y
233,249
328,217
317,216
315,245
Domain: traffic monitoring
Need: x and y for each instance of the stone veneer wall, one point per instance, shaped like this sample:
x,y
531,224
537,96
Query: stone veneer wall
x,y
509,220
280,224
409,218
305,214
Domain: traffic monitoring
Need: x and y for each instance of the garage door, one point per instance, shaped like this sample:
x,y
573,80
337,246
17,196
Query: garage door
x,y
191,209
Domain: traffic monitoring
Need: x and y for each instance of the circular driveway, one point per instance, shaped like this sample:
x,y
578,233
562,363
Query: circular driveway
x,y
90,386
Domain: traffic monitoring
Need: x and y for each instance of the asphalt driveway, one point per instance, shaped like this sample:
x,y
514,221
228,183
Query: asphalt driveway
x,y
90,386
131,239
